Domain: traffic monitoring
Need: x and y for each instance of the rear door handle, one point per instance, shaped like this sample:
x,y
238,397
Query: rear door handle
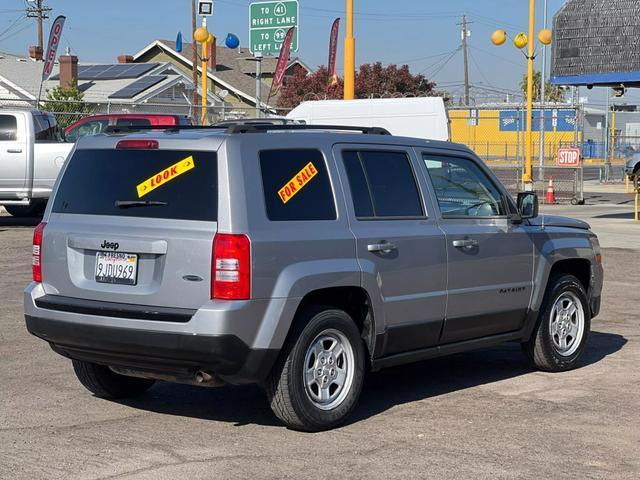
x,y
466,243
384,247
14,150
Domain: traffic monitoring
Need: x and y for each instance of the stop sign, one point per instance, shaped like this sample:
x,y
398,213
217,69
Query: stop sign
x,y
568,157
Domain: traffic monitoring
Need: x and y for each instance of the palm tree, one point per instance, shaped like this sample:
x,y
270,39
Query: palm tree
x,y
553,93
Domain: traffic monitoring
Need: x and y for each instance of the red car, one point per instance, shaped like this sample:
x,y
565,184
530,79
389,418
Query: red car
x,y
96,124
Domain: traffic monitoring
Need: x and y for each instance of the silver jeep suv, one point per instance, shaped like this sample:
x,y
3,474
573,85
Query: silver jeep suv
x,y
297,257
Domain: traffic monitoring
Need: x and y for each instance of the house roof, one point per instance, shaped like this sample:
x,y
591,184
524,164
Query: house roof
x,y
23,76
234,70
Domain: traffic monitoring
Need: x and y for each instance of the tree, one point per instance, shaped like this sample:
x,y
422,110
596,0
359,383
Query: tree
x,y
67,104
372,81
553,93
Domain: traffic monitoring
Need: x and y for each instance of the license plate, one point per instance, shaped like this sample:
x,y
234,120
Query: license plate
x,y
116,267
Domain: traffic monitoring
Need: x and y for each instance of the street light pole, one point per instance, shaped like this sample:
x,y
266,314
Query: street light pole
x,y
349,56
526,178
258,57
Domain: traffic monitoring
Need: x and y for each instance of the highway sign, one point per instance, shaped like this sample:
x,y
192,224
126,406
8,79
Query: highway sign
x,y
269,23
568,157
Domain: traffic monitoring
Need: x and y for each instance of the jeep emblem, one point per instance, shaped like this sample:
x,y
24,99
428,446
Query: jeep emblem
x,y
111,245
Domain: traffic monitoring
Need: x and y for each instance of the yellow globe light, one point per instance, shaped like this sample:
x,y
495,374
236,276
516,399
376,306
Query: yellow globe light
x,y
521,40
545,36
201,35
499,37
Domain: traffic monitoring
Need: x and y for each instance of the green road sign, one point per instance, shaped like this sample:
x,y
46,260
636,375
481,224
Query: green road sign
x,y
268,25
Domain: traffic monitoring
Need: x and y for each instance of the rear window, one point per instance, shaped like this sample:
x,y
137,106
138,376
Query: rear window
x,y
296,185
181,185
133,122
46,129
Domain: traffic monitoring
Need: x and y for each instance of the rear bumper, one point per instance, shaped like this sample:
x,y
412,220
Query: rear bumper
x,y
171,353
237,341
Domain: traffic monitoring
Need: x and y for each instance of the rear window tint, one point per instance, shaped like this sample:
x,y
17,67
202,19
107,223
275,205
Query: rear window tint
x,y
184,183
296,185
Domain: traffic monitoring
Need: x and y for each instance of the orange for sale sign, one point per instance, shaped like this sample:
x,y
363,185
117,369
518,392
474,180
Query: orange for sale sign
x,y
297,183
568,157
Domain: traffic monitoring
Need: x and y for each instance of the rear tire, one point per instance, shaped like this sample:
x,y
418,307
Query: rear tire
x,y
104,383
560,336
36,209
317,380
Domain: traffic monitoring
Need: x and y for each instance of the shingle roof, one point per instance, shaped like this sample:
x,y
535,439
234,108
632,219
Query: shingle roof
x,y
233,66
25,74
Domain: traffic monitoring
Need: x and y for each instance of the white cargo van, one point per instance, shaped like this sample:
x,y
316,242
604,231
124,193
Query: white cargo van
x,y
419,117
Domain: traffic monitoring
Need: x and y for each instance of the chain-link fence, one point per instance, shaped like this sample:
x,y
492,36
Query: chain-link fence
x,y
567,183
497,135
68,112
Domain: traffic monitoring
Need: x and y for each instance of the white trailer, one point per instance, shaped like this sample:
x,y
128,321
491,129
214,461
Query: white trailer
x,y
420,117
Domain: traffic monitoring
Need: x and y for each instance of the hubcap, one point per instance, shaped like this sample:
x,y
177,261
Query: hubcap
x,y
329,367
567,324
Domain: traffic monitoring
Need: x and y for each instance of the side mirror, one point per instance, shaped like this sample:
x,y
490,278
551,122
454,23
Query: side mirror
x,y
527,205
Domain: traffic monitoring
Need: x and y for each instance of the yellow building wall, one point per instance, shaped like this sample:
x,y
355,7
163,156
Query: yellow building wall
x,y
486,139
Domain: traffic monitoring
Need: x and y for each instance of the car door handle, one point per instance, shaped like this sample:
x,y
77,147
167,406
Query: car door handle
x,y
384,247
466,243
14,150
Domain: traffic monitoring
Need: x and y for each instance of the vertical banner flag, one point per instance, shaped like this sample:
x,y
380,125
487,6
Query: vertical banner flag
x,y
333,50
283,61
52,48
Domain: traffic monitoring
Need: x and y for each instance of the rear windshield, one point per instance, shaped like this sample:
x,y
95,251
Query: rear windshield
x,y
172,184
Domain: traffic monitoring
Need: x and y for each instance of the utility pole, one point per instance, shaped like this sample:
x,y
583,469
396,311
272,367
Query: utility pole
x,y
465,35
194,56
40,12
543,97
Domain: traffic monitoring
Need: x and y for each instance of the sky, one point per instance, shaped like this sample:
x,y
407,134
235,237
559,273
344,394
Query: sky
x,y
424,34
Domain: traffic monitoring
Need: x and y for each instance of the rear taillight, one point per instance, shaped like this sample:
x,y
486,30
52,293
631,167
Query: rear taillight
x,y
36,259
231,269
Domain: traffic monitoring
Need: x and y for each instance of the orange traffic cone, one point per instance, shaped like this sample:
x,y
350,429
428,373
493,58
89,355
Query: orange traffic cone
x,y
551,196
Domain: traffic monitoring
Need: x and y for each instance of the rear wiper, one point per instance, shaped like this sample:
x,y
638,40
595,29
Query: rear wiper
x,y
138,203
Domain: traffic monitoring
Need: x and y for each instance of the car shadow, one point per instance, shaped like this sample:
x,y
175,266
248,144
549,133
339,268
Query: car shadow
x,y
622,216
247,404
9,221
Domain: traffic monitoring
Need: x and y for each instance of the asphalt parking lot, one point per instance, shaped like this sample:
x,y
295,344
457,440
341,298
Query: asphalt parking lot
x,y
482,414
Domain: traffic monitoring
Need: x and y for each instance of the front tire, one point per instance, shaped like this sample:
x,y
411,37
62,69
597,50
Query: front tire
x,y
560,336
317,380
105,383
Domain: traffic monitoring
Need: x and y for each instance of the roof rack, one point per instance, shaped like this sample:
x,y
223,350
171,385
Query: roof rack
x,y
246,128
258,128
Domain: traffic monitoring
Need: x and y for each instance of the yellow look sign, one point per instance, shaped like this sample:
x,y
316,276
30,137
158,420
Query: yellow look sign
x,y
297,183
165,176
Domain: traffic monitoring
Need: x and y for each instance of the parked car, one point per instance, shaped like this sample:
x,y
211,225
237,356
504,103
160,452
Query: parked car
x,y
632,167
298,259
96,124
420,117
32,151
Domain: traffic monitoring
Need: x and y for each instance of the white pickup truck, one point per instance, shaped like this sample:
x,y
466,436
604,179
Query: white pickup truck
x,y
32,151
